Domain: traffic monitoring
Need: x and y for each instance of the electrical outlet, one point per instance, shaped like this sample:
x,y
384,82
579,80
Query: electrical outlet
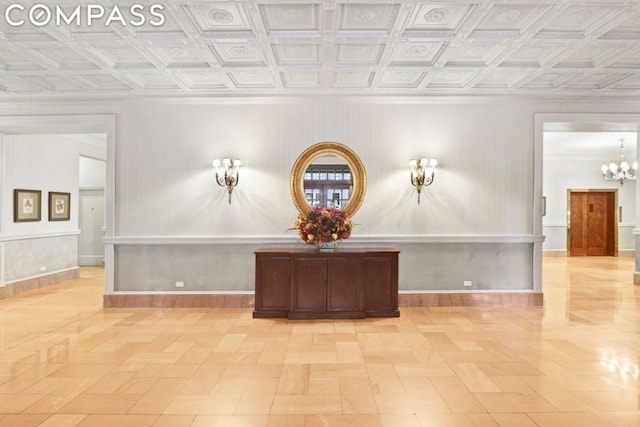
x,y
179,284
43,268
467,283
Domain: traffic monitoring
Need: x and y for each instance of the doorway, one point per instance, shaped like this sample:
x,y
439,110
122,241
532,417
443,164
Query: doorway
x,y
592,227
70,124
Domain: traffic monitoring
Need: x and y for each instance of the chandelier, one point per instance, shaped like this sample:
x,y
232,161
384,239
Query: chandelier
x,y
620,171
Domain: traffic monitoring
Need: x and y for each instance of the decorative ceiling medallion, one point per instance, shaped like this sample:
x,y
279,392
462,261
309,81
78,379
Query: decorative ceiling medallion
x,y
178,51
238,51
358,51
205,78
124,53
365,15
436,15
298,51
549,76
536,52
577,17
301,76
352,76
581,14
476,51
587,53
509,15
220,16
292,16
417,51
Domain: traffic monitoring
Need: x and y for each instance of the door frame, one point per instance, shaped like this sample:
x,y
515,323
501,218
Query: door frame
x,y
616,218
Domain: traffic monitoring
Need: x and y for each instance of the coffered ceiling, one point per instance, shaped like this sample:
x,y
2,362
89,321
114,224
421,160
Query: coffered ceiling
x,y
566,48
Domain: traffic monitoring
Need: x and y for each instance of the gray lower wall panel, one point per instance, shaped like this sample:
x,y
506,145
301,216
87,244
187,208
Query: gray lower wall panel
x,y
200,267
32,257
229,267
445,266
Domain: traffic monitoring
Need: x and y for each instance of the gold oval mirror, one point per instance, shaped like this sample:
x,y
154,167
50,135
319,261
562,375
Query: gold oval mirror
x,y
328,174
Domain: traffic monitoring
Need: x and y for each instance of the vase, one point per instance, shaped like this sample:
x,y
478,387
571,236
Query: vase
x,y
327,246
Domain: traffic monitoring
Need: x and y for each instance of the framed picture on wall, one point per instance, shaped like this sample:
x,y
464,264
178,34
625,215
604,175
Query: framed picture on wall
x,y
59,206
26,205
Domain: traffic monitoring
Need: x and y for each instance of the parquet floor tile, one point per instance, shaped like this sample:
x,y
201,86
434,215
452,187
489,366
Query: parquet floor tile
x,y
65,361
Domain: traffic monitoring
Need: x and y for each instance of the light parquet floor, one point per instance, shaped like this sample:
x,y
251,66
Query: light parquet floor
x,y
66,361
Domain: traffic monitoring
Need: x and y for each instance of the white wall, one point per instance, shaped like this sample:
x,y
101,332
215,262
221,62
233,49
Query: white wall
x,y
92,173
165,179
46,163
38,162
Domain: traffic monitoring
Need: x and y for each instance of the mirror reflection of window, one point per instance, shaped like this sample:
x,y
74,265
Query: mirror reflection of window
x,y
328,185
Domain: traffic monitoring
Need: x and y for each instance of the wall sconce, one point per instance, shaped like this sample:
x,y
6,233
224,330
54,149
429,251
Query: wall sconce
x,y
422,173
227,174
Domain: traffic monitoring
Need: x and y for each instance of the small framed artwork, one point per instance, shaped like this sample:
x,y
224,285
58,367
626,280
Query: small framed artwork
x,y
59,206
26,205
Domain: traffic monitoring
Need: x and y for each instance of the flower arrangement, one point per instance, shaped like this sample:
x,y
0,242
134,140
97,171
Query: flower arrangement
x,y
323,225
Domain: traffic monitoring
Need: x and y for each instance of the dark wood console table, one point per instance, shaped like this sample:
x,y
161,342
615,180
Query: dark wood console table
x,y
304,283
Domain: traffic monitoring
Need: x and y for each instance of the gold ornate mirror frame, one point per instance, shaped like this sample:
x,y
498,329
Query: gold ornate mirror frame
x,y
329,149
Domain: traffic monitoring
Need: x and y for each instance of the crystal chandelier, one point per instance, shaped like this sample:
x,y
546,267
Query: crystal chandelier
x,y
620,171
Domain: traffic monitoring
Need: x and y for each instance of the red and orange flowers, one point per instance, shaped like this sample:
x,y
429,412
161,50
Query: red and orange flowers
x,y
322,225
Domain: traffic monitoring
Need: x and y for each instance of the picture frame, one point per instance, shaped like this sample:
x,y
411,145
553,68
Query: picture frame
x,y
59,206
26,205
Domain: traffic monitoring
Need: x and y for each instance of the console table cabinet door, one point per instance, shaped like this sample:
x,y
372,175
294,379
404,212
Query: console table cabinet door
x,y
272,287
344,286
381,286
309,284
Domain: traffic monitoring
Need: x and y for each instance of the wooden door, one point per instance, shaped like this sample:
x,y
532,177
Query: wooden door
x,y
592,223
